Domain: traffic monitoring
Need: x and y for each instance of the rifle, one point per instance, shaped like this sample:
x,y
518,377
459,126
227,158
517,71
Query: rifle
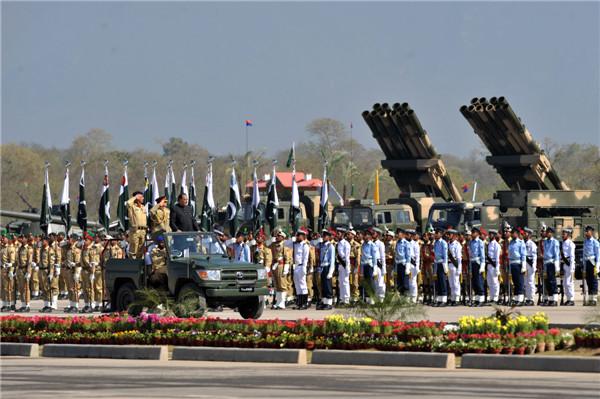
x,y
583,274
541,287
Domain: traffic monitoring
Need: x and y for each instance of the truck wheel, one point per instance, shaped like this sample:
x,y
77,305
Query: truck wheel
x,y
125,297
192,289
252,308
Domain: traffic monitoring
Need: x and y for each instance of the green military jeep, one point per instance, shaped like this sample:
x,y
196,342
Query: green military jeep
x,y
196,262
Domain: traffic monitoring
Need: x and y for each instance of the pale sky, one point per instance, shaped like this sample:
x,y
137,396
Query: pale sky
x,y
197,70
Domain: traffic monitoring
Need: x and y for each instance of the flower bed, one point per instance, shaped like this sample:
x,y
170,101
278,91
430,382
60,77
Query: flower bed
x,y
485,335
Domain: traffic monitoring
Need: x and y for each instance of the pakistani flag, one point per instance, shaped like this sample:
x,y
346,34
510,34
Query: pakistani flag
x,y
234,205
291,156
104,206
184,188
208,204
295,205
256,213
82,208
272,201
192,193
323,204
65,204
173,197
153,188
147,191
122,213
168,185
46,216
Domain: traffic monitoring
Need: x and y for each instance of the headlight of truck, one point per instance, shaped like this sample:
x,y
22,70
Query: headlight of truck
x,y
262,274
214,275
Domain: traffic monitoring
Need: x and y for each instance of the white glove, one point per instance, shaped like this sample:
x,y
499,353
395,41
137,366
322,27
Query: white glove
x,y
9,265
27,276
557,267
481,269
407,269
268,269
275,266
445,266
330,274
32,264
286,269
71,264
253,242
303,269
270,241
11,275
311,270
57,271
50,277
347,269
523,267
76,277
4,265
417,270
375,271
36,268
229,242
93,264
320,240
92,277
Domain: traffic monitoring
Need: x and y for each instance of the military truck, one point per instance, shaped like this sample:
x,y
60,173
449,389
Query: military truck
x,y
197,263
414,165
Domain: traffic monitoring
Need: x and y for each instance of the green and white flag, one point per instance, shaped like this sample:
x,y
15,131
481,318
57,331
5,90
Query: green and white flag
x,y
323,204
173,192
291,156
104,206
154,187
234,205
46,216
184,188
272,201
208,203
82,207
147,191
168,185
122,212
295,205
192,192
65,203
256,212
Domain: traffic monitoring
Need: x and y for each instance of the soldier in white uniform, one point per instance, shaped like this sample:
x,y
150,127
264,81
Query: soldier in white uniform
x,y
568,262
344,270
379,271
531,249
455,270
493,265
301,254
415,261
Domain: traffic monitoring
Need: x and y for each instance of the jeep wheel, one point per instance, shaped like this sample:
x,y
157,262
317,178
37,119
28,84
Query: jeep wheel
x,y
252,308
188,290
125,297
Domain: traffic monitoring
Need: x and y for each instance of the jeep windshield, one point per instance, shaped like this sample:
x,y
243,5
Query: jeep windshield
x,y
185,245
357,217
445,217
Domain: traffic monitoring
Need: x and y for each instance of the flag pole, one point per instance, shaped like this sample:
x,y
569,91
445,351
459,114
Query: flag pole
x,y
246,168
351,155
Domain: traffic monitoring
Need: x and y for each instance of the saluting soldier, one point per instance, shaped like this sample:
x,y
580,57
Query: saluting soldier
x,y
531,267
590,259
541,269
504,242
73,272
160,215
282,259
24,262
551,266
46,264
138,219
568,264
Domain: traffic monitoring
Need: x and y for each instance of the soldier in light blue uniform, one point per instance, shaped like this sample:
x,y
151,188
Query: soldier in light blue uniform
x,y
403,253
477,265
517,260
440,261
551,266
590,259
327,267
241,250
369,257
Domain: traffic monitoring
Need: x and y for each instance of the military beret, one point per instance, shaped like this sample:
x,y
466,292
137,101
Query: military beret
x,y
492,231
159,239
161,198
22,236
377,230
260,234
549,230
89,236
528,230
590,228
137,193
45,238
568,231
62,232
452,231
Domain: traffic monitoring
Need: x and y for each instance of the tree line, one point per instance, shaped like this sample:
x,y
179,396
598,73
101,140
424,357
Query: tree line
x,y
351,166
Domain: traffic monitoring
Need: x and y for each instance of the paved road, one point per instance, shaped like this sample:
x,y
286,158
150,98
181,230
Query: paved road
x,y
106,378
575,315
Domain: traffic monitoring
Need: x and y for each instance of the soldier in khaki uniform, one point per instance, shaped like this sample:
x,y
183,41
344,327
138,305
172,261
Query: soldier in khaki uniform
x,y
88,261
160,216
355,247
9,256
35,273
54,284
261,254
504,242
46,264
282,259
138,219
158,277
113,250
24,268
390,257
97,285
73,272
63,285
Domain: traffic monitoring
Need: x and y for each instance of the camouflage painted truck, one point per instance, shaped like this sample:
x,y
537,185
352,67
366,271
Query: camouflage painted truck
x,y
197,263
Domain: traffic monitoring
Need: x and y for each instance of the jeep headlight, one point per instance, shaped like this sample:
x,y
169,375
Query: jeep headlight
x,y
214,275
262,274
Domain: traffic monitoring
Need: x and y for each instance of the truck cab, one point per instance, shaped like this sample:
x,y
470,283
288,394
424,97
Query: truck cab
x,y
463,215
196,262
